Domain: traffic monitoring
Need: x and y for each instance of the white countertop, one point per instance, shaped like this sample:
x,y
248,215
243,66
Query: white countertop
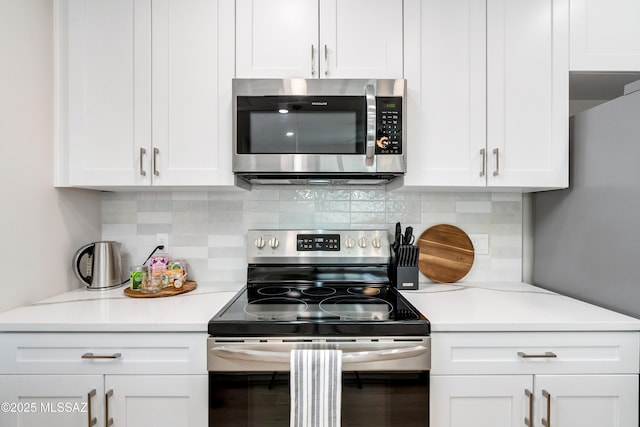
x,y
496,306
511,306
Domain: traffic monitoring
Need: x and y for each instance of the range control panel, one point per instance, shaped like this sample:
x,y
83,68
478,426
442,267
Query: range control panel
x,y
336,246
389,125
318,242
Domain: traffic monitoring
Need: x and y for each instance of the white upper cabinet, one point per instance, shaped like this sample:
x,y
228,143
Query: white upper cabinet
x,y
445,68
144,92
487,93
605,35
528,93
319,38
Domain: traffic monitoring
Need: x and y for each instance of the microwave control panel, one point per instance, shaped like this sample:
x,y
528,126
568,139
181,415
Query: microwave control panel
x,y
389,125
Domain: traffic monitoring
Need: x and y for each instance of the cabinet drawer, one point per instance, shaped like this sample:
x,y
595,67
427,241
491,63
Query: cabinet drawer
x,y
535,353
104,353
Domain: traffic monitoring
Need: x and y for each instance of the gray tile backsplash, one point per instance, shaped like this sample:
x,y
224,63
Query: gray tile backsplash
x,y
208,229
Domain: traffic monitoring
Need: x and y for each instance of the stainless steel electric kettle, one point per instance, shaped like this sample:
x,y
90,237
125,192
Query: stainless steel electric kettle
x,y
103,265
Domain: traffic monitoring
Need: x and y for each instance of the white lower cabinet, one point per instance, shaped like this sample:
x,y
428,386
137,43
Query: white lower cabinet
x,y
559,379
119,379
122,400
504,400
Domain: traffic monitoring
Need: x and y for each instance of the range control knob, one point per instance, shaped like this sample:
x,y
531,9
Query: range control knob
x,y
274,242
259,243
349,242
376,243
363,242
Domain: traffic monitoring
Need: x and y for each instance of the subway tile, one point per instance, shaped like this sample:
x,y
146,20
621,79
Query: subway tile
x,y
222,217
176,239
153,228
368,195
297,194
433,218
119,229
333,205
403,217
473,197
155,205
119,206
122,217
474,218
438,197
368,218
190,228
506,197
225,205
401,195
405,206
226,241
325,218
261,206
189,195
225,252
464,206
154,218
296,206
190,217
189,252
337,194
190,205
368,206
438,206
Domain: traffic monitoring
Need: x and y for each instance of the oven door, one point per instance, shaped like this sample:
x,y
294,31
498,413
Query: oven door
x,y
385,382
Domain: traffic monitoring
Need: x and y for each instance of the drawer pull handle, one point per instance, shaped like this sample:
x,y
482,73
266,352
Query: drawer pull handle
x,y
483,153
101,356
142,153
529,421
547,422
91,421
546,355
107,421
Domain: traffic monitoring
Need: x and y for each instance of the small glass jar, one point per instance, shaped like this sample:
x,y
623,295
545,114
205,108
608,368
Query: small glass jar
x,y
154,280
137,277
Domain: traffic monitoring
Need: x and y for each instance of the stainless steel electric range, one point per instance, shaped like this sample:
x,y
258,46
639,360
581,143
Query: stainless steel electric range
x,y
319,289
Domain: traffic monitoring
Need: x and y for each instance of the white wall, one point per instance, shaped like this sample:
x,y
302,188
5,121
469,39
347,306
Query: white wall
x,y
40,227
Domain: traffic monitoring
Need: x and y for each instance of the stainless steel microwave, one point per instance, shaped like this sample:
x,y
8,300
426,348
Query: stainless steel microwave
x,y
318,131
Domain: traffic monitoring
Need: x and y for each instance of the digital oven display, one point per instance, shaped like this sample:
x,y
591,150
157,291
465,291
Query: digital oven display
x,y
318,242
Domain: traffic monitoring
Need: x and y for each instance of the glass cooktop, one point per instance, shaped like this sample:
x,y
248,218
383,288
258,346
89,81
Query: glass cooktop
x,y
281,310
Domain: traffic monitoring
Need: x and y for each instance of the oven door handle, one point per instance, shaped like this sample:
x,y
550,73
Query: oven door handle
x,y
350,357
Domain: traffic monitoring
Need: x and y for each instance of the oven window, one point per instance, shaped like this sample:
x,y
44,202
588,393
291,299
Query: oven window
x,y
368,399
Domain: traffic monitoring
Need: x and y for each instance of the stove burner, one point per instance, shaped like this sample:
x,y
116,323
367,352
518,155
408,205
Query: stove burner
x,y
368,291
271,291
357,307
319,291
275,308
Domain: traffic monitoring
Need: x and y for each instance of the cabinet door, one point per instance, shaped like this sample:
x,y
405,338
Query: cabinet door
x,y
479,401
158,401
445,68
587,400
277,39
361,39
192,70
605,35
527,93
104,71
51,400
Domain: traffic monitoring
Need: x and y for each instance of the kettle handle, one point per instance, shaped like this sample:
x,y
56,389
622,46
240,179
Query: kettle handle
x,y
86,249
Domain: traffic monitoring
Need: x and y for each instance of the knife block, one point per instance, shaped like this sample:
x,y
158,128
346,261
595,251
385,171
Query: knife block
x,y
405,277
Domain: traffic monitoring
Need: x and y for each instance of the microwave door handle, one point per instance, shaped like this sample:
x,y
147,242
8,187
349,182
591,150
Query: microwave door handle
x,y
370,94
350,357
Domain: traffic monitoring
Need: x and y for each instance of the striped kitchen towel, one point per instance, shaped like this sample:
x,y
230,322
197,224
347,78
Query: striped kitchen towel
x,y
316,388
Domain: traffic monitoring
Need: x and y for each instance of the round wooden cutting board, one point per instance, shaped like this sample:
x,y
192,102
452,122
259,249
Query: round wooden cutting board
x,y
446,253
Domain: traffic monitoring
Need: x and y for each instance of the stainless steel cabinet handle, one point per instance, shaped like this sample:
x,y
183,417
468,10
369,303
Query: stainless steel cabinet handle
x,y
101,356
143,151
351,357
91,421
370,95
313,61
529,421
496,151
547,422
155,161
107,421
546,355
326,60
483,153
